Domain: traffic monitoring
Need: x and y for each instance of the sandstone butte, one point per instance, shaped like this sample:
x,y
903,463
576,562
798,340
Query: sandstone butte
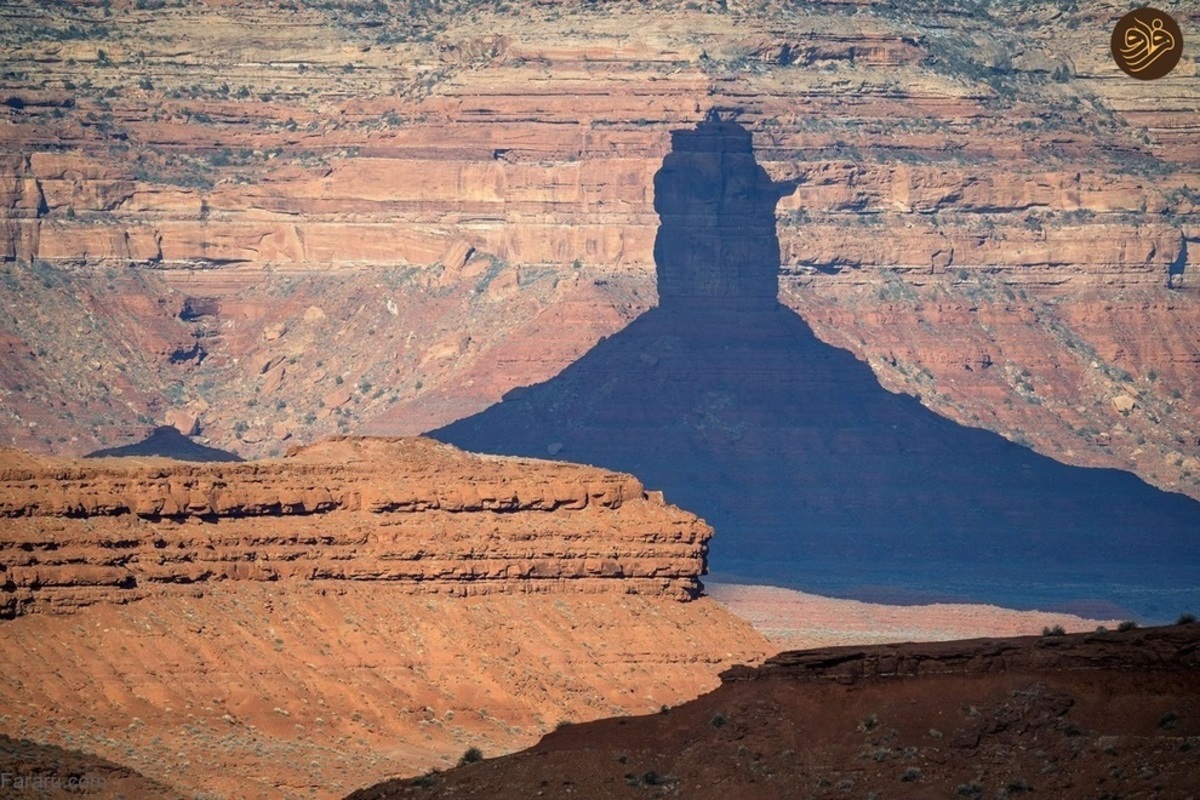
x,y
269,223
362,608
1113,714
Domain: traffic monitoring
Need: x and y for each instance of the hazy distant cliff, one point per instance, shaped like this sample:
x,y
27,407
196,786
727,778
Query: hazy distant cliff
x,y
390,216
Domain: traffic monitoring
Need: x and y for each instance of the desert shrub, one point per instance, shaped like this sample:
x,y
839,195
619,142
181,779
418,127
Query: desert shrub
x,y
869,723
472,756
1127,625
1186,619
877,754
650,778
653,778
1057,630
1078,216
719,721
911,774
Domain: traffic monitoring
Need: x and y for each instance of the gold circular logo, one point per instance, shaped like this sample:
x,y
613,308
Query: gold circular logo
x,y
1147,43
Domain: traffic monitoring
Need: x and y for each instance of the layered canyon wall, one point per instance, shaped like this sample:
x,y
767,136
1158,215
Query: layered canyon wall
x,y
343,217
358,609
414,513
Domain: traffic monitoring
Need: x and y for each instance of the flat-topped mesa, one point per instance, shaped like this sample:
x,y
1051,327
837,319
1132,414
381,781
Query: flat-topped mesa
x,y
419,515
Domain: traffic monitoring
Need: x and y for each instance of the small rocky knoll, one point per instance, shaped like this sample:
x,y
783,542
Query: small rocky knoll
x,y
1105,714
421,516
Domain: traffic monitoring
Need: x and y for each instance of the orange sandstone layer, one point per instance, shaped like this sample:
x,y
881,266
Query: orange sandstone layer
x,y
416,514
362,607
311,689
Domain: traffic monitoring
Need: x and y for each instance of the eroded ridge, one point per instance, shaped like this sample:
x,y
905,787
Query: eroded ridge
x,y
1137,650
412,512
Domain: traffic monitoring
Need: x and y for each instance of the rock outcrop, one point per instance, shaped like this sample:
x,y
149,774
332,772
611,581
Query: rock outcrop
x,y
416,514
362,607
1170,649
1076,716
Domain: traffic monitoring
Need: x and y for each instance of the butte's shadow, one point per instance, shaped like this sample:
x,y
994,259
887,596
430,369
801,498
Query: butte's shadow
x,y
812,474
166,442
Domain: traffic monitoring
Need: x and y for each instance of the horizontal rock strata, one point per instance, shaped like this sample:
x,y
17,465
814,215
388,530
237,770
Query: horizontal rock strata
x,y
445,204
410,512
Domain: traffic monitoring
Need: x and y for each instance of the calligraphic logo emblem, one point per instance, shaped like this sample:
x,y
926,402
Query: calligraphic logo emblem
x,y
1147,43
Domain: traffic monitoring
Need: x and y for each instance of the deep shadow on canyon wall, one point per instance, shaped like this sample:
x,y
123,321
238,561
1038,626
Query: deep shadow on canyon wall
x,y
813,475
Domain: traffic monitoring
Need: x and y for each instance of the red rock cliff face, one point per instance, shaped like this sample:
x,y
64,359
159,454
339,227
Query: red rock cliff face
x,y
359,609
418,515
405,214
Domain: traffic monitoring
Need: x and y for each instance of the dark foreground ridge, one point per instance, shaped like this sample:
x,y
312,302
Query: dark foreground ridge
x,y
1113,714
813,475
28,769
166,442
